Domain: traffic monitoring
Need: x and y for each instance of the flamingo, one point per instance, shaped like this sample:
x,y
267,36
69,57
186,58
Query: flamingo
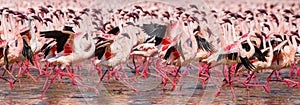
x,y
113,54
150,47
182,50
15,50
68,51
260,65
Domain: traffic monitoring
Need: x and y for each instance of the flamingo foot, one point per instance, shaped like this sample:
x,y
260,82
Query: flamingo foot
x,y
51,81
11,83
218,93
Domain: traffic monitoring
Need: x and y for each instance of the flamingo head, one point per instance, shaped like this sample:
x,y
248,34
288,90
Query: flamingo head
x,y
38,18
48,20
31,10
44,10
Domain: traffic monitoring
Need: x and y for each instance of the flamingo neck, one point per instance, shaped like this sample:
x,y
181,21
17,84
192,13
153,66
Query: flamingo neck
x,y
294,41
249,53
270,58
4,25
233,32
264,42
12,23
84,54
224,34
33,40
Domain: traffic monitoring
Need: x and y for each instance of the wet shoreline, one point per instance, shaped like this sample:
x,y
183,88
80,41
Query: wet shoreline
x,y
115,92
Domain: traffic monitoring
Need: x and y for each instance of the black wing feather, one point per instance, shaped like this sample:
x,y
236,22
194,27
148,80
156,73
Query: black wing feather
x,y
260,56
47,51
99,52
265,53
246,62
203,44
27,52
5,57
60,37
155,30
168,53
237,67
114,31
221,56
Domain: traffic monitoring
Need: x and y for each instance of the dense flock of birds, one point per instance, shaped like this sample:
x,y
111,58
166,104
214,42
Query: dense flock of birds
x,y
155,36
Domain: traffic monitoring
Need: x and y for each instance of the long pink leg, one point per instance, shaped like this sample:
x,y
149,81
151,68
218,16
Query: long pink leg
x,y
74,81
51,81
125,81
48,74
265,86
163,75
99,70
146,71
292,70
164,82
175,78
102,76
26,70
19,71
247,86
135,67
287,81
227,75
123,72
278,78
44,72
182,76
293,82
36,61
205,72
11,83
12,68
10,74
298,74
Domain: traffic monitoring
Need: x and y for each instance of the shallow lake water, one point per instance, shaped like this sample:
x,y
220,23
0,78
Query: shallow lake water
x,y
149,91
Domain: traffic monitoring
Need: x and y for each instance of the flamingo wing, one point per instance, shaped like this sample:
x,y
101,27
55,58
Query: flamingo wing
x,y
260,56
46,48
114,31
247,63
239,65
25,32
27,52
100,48
155,30
257,54
1,50
99,52
203,44
6,56
60,37
99,39
168,53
